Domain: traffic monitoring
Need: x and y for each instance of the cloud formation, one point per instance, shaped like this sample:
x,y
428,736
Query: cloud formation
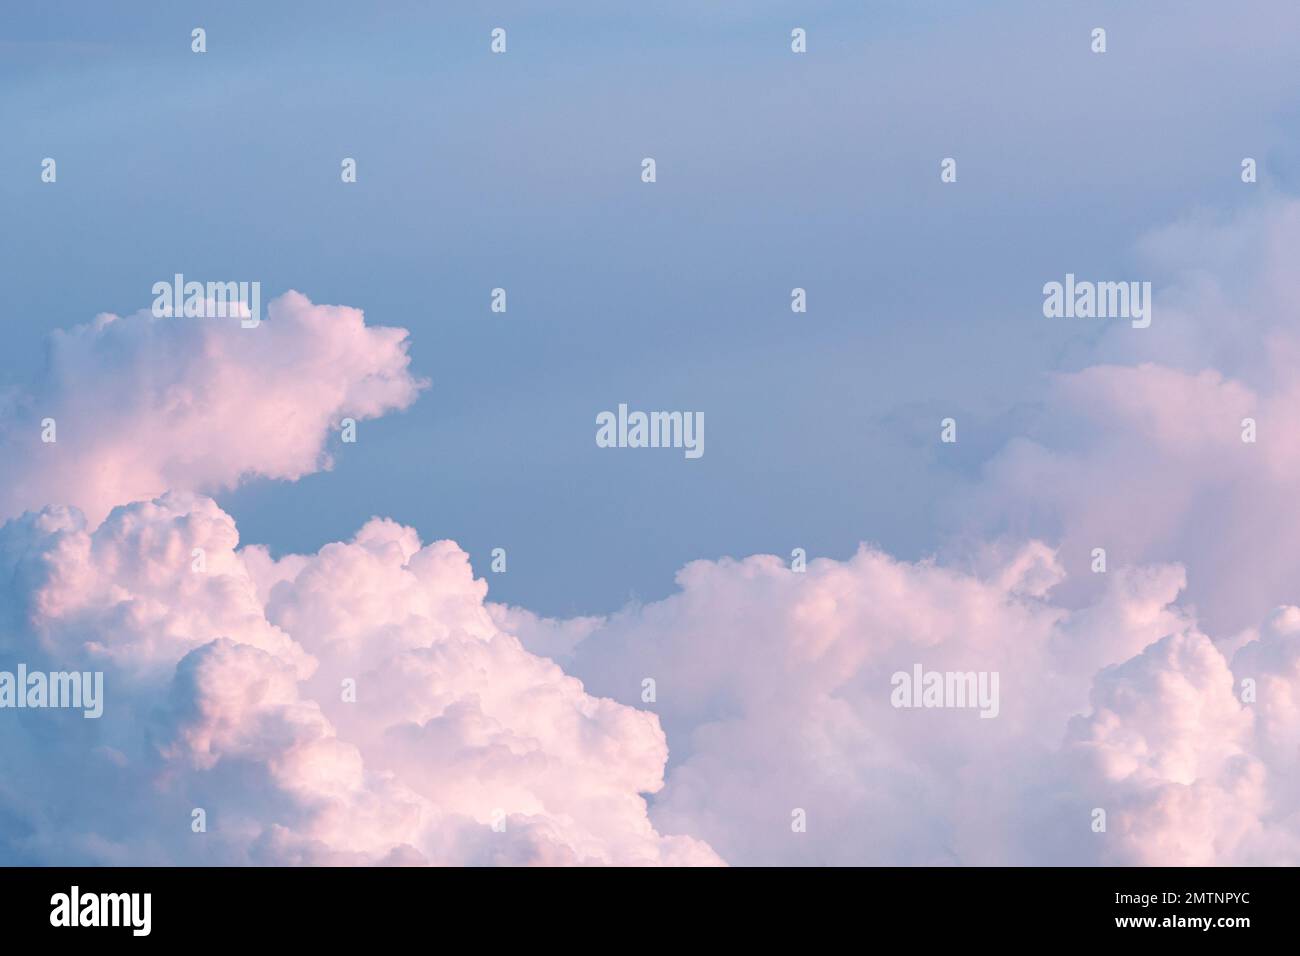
x,y
365,704
1140,450
774,688
143,405
357,705
1125,691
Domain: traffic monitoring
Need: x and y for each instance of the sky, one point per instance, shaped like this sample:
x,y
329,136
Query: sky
x,y
521,171
475,429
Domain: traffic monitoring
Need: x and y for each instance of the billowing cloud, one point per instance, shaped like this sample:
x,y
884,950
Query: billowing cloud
x,y
143,405
365,704
1151,691
358,705
775,688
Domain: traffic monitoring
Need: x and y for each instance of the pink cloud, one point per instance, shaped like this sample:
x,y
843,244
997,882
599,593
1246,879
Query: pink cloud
x,y
144,405
221,698
229,686
1141,451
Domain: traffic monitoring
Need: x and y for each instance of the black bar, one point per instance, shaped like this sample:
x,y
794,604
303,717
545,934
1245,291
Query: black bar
x,y
334,905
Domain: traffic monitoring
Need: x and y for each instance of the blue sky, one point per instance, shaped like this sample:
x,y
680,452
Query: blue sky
x,y
522,171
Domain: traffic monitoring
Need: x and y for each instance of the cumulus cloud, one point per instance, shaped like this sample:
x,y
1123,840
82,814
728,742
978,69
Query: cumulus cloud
x,y
775,691
142,405
357,705
1124,692
366,704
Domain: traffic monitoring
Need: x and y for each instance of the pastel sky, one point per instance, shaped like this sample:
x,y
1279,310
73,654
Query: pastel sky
x,y
518,697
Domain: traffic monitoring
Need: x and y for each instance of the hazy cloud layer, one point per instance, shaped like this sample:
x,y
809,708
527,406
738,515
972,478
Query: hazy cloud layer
x,y
1140,451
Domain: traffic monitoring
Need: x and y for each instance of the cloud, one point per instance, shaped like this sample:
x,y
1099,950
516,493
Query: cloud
x,y
1164,692
222,698
775,690
143,405
1141,451
358,705
1121,691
